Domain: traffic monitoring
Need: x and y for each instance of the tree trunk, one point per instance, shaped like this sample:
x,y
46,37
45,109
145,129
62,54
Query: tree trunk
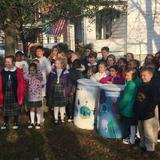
x,y
10,40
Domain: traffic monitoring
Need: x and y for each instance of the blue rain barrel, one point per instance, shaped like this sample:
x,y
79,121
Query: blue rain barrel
x,y
87,100
108,123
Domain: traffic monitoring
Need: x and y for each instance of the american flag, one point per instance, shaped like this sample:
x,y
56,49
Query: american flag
x,y
58,27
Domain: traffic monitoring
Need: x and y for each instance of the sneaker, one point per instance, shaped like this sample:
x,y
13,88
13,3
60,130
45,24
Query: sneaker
x,y
70,120
62,120
31,126
15,126
38,126
4,126
55,121
126,141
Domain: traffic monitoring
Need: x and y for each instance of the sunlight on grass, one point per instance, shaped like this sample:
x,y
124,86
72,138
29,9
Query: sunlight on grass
x,y
12,137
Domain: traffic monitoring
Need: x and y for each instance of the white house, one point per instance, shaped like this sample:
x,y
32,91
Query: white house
x,y
136,30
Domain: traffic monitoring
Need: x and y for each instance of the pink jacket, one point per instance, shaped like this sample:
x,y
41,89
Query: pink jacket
x,y
21,89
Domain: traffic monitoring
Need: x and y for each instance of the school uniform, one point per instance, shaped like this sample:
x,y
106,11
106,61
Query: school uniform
x,y
58,90
12,91
146,114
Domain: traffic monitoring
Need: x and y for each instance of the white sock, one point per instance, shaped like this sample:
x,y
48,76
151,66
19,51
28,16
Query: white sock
x,y
56,111
132,134
62,112
38,117
42,116
32,116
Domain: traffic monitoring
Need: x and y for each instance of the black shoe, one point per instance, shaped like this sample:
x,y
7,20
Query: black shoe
x,y
4,126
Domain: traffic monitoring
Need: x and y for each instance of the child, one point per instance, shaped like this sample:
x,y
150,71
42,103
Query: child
x,y
112,78
126,104
45,67
102,72
34,79
110,61
90,72
146,112
129,57
58,89
134,64
122,65
20,63
76,72
12,91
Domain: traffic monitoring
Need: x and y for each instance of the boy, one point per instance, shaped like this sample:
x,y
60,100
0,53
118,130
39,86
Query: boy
x,y
146,112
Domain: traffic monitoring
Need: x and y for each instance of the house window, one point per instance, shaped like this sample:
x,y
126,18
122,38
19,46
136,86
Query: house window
x,y
103,26
105,19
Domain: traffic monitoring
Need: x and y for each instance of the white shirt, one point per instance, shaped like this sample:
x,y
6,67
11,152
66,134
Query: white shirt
x,y
22,65
98,76
45,67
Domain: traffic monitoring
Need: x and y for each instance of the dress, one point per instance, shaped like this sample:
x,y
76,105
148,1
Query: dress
x,y
10,107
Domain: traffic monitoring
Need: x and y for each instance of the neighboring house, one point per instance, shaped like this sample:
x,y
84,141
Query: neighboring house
x,y
136,30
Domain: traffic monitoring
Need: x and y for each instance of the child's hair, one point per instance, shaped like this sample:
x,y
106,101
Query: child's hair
x,y
35,60
76,64
122,59
148,69
93,69
39,47
63,61
33,65
132,55
105,49
102,63
115,67
10,57
133,71
136,63
113,57
92,55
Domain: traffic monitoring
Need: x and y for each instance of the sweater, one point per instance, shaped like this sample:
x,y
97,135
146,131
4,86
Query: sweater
x,y
20,87
146,101
115,80
34,87
127,98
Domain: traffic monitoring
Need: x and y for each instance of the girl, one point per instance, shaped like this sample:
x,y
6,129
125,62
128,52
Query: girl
x,y
129,56
102,72
126,104
20,63
12,91
34,79
122,65
76,72
53,54
59,89
112,78
111,60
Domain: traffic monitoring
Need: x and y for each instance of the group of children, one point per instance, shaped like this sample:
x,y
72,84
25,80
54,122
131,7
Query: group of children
x,y
54,80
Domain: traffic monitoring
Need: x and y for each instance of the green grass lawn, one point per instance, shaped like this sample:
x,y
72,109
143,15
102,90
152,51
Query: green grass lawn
x,y
61,142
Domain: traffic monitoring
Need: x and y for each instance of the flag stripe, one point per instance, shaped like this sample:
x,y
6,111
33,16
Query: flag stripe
x,y
58,27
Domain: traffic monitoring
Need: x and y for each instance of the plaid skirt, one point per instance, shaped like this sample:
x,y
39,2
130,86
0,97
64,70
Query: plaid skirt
x,y
11,106
36,104
58,98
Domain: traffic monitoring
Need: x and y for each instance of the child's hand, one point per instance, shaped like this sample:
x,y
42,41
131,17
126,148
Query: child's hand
x,y
109,82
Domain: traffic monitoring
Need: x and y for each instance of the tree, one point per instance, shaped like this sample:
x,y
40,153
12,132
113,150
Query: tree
x,y
25,18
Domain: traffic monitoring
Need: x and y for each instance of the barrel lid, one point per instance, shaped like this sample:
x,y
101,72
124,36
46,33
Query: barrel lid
x,y
112,87
88,82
